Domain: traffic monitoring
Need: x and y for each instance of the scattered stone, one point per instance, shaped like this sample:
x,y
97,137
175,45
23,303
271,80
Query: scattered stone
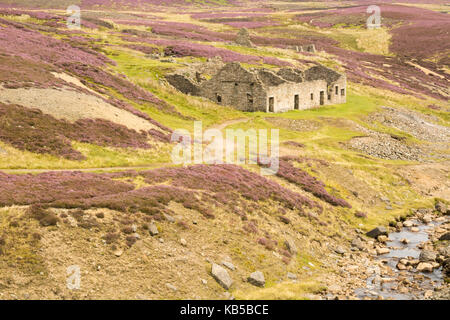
x,y
183,242
291,276
435,264
403,290
257,279
415,229
381,251
425,267
229,265
382,239
446,267
413,262
204,282
169,218
441,207
357,243
290,246
171,287
378,231
428,294
427,255
221,276
339,250
385,280
445,251
118,252
426,219
401,266
334,288
153,229
404,241
408,223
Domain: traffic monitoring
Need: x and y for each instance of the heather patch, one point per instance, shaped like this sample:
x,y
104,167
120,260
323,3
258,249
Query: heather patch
x,y
307,182
227,183
15,39
52,186
182,30
201,188
147,4
30,129
249,23
414,30
390,73
177,48
17,72
40,15
77,58
255,12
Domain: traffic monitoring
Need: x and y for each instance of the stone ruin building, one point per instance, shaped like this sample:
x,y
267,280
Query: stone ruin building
x,y
266,90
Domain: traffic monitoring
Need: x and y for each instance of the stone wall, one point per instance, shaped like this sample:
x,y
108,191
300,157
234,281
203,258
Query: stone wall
x,y
237,87
337,96
284,95
183,84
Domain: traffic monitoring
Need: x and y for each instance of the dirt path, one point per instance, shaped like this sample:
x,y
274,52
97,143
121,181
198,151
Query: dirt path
x,y
147,166
225,124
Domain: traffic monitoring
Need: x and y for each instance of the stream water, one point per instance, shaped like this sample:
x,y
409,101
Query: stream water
x,y
388,290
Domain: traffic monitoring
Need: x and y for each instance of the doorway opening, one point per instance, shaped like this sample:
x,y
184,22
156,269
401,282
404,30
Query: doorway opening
x,y
271,104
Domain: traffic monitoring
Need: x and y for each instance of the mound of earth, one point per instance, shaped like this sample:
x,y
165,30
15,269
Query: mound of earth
x,y
385,147
71,105
412,123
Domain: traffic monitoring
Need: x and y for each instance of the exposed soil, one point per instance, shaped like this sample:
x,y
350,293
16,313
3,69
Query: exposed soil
x,y
72,106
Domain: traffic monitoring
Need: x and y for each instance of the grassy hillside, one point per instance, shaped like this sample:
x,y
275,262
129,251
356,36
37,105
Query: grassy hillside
x,y
86,118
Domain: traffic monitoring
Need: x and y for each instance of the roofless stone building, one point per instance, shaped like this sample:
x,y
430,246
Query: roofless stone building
x,y
266,90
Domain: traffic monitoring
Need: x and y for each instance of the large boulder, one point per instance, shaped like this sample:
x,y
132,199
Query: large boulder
x,y
221,276
153,229
257,279
445,236
440,207
425,267
378,231
290,246
427,255
446,267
